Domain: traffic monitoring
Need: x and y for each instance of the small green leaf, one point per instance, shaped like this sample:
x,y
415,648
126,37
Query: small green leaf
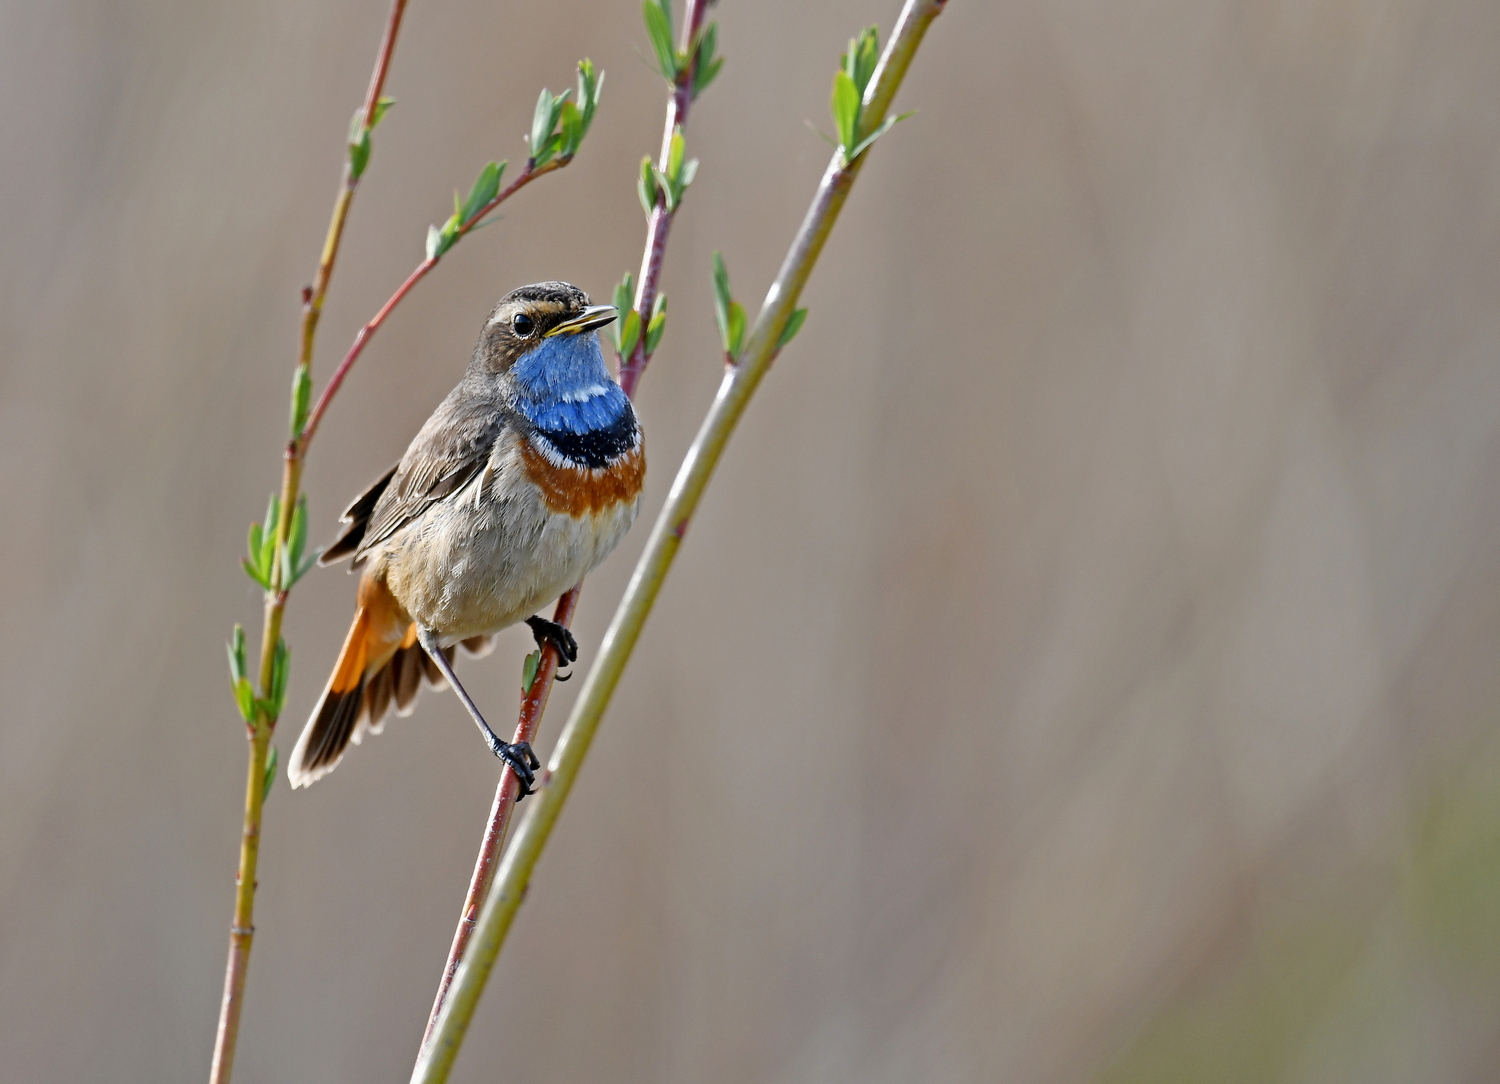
x,y
793,325
236,650
722,297
262,547
359,144
301,399
885,126
630,333
359,155
297,538
845,108
382,107
440,241
624,293
658,324
734,335
689,171
486,185
646,188
675,148
296,564
280,666
254,545
864,53
705,67
706,75
729,314
658,17
572,129
528,670
589,85
244,699
239,684
542,122
270,778
665,187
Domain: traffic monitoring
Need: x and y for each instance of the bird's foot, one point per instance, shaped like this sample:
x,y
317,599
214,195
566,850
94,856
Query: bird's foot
x,y
550,632
522,761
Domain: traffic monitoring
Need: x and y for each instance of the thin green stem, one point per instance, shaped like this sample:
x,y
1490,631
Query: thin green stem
x,y
261,727
739,384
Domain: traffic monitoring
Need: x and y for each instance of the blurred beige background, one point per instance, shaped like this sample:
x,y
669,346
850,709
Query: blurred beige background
x,y
1083,667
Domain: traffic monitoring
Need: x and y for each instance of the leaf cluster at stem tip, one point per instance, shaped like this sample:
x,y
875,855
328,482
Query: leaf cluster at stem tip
x,y
731,316
671,63
856,67
273,568
557,130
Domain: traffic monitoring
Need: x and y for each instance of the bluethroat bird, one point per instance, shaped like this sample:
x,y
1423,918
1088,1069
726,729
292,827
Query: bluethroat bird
x,y
524,478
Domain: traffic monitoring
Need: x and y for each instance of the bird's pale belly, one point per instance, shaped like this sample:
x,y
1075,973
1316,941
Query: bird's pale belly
x,y
498,552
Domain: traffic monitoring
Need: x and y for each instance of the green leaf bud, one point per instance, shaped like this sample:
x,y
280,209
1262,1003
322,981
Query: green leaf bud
x,y
658,16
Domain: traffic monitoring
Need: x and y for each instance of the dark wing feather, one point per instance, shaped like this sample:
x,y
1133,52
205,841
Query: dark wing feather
x,y
355,519
446,455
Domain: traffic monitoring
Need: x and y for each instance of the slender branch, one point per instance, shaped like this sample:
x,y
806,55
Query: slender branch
x,y
261,726
534,702
739,384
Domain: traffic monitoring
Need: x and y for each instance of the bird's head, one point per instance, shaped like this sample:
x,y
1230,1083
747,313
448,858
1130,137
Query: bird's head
x,y
542,328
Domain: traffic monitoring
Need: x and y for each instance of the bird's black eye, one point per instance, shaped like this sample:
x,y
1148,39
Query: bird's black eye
x,y
522,325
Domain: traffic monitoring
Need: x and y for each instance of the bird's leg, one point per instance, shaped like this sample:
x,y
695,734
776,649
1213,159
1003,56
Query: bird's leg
x,y
519,756
550,632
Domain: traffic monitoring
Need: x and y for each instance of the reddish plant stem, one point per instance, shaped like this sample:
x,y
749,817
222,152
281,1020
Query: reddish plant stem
x,y
660,223
298,448
533,703
262,727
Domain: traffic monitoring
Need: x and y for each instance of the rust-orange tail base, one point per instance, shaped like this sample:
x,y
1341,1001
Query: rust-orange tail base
x,y
380,666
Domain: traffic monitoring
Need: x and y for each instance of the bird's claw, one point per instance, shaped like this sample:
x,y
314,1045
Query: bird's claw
x,y
550,632
522,761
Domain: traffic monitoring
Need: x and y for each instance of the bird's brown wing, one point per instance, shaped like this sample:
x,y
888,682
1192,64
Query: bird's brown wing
x,y
356,519
446,455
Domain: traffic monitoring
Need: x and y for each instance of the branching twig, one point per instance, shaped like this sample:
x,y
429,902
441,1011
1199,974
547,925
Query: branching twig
x,y
362,338
739,384
685,84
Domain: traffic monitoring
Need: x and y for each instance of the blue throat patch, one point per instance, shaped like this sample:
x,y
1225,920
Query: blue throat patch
x,y
562,386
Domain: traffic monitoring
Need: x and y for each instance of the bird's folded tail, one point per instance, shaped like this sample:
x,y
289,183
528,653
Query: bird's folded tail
x,y
381,666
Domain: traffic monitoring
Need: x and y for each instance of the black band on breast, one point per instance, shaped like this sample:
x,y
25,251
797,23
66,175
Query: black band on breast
x,y
597,447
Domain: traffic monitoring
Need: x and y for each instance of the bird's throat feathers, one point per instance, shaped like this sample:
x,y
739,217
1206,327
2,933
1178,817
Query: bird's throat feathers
x,y
562,386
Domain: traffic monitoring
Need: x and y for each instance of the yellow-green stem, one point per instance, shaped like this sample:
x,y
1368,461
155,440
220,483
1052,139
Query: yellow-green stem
x,y
242,932
739,384
262,727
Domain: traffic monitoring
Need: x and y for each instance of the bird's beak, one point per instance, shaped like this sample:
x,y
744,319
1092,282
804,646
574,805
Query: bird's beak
x,y
590,318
